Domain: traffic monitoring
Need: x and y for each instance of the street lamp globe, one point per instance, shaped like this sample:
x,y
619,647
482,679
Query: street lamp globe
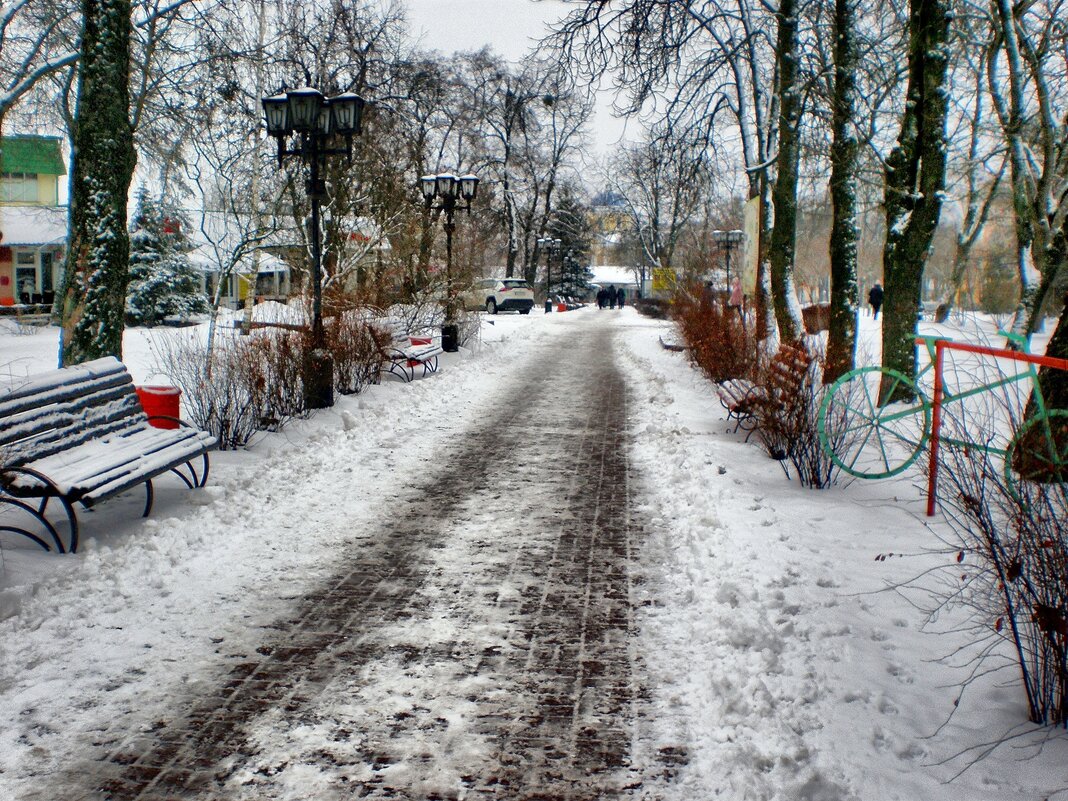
x,y
276,113
428,186
347,112
305,104
468,187
446,186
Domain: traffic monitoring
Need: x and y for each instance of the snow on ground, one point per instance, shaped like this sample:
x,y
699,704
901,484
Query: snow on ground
x,y
779,659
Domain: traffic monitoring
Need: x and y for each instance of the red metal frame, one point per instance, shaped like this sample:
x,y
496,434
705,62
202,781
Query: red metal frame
x,y
942,345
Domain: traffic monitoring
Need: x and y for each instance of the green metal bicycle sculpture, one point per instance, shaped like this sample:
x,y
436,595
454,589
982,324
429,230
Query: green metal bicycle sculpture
x,y
870,439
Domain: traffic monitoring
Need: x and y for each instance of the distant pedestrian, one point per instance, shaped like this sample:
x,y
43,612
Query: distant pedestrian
x,y
875,299
611,296
602,297
621,297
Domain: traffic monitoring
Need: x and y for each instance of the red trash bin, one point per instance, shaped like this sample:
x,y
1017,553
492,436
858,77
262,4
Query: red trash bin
x,y
160,400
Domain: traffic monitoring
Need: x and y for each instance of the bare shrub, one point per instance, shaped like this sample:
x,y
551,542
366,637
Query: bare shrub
x,y
718,341
272,369
214,390
247,384
357,348
1011,559
787,412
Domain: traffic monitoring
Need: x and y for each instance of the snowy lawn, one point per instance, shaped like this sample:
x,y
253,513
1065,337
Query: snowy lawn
x,y
780,660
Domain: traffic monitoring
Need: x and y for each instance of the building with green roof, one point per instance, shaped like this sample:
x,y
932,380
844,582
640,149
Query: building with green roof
x,y
30,168
33,226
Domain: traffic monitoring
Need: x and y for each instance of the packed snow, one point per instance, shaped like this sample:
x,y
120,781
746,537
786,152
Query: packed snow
x,y
781,658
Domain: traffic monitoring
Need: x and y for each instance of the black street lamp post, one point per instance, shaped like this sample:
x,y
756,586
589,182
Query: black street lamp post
x,y
314,122
450,191
551,246
728,240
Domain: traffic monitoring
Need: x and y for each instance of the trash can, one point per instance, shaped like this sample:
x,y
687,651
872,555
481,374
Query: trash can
x,y
450,338
160,400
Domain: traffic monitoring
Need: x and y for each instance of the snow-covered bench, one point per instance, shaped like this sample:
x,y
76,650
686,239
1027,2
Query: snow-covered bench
x,y
403,353
79,435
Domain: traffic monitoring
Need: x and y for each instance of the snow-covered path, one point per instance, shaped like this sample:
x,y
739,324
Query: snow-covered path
x,y
476,641
402,592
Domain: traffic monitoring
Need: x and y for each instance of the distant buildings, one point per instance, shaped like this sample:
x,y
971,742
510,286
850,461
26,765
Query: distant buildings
x,y
33,226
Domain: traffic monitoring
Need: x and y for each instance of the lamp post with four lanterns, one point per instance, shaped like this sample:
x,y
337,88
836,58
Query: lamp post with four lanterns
x,y
449,191
308,125
728,240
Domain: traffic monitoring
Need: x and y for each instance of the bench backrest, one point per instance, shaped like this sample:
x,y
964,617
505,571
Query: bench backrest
x,y
54,411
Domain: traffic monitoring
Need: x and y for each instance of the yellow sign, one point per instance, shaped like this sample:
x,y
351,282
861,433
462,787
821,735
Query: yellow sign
x,y
663,279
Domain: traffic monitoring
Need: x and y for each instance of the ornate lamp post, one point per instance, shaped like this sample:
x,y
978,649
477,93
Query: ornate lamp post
x,y
551,247
306,124
728,240
449,191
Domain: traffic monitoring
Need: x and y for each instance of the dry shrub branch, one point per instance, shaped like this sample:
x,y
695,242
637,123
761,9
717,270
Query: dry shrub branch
x,y
716,335
787,389
1011,566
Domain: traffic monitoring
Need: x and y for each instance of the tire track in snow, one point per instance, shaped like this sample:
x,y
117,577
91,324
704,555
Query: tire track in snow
x,y
482,649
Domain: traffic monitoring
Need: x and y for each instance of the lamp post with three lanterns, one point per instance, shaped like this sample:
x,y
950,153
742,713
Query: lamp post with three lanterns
x,y
551,247
449,191
308,125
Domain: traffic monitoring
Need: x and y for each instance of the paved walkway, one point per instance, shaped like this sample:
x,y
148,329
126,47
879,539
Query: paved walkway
x,y
483,649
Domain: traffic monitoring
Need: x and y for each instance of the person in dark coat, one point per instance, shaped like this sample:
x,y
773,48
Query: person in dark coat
x,y
621,297
875,299
602,297
611,296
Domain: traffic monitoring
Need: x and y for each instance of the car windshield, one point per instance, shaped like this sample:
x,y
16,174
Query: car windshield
x,y
513,283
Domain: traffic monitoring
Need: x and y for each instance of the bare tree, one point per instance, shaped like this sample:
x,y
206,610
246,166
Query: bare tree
x,y
1030,45
663,182
915,181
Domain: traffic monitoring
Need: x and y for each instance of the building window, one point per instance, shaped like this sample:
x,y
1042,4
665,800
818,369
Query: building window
x,y
18,187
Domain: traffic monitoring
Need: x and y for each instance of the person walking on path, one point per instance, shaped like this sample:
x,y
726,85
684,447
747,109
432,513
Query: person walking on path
x,y
602,297
875,298
621,297
611,296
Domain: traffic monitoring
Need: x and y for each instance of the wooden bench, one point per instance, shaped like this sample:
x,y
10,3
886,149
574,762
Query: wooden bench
x,y
403,353
79,435
740,398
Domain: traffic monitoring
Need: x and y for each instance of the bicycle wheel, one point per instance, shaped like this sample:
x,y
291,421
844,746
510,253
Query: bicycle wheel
x,y
1039,451
865,439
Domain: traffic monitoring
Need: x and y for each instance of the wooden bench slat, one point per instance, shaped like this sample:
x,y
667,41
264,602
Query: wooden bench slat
x,y
56,386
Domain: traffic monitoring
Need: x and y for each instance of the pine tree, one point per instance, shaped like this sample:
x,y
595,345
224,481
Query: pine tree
x,y
163,283
571,225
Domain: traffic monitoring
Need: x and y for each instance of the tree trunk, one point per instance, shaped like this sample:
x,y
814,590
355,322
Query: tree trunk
x,y
915,180
93,296
842,332
784,194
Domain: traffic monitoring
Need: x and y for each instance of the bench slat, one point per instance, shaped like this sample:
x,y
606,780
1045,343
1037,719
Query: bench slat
x,y
66,382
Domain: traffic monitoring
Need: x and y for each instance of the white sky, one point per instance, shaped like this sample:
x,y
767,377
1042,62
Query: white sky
x,y
510,28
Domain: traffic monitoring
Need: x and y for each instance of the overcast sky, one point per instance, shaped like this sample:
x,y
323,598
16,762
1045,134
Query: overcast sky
x,y
510,27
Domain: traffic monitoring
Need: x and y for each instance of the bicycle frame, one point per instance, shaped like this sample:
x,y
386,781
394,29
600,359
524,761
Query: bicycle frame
x,y
936,348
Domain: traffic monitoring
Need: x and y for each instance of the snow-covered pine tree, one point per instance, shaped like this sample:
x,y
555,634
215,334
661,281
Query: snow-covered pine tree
x,y
162,283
